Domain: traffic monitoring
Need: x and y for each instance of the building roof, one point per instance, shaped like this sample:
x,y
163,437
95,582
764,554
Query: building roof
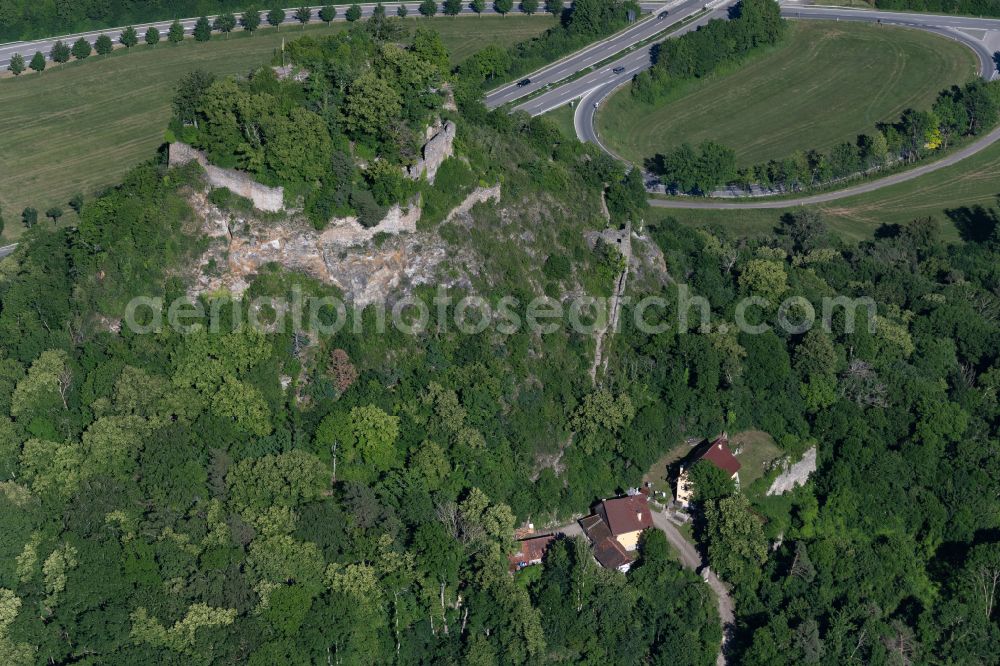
x,y
627,514
595,528
718,454
530,551
611,554
607,551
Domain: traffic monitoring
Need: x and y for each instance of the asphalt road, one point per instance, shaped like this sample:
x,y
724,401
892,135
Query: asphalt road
x,y
594,87
633,62
28,49
871,186
590,56
691,559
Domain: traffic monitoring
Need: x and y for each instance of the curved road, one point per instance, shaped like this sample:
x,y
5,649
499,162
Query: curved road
x,y
665,16
689,558
594,88
870,186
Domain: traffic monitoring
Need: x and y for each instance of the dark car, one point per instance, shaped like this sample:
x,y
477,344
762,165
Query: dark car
x,y
661,15
523,82
618,70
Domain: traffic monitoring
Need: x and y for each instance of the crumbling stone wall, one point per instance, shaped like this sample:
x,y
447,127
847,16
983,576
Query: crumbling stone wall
x,y
477,196
270,199
439,147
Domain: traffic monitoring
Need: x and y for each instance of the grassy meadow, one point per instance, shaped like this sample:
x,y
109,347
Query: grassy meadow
x,y
79,127
826,83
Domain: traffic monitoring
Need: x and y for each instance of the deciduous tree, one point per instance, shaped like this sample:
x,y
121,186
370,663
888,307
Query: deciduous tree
x,y
250,20
303,15
225,23
29,216
371,103
129,37
103,45
176,33
276,17
737,546
428,8
16,65
202,30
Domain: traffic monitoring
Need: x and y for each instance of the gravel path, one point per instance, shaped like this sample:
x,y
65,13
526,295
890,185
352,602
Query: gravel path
x,y
691,559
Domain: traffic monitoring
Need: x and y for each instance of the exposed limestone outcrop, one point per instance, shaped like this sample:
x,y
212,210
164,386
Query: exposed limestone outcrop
x,y
439,147
794,474
621,239
292,72
345,254
270,199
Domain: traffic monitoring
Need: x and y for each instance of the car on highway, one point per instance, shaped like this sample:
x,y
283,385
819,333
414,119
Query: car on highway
x,y
618,70
523,82
661,16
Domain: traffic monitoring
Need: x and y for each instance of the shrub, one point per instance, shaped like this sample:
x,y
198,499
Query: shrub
x,y
368,211
226,199
557,267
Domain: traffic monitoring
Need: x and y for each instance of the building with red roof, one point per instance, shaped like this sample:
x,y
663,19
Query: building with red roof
x,y
615,527
719,454
530,551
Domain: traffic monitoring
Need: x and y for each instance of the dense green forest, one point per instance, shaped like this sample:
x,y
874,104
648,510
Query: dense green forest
x,y
237,496
890,553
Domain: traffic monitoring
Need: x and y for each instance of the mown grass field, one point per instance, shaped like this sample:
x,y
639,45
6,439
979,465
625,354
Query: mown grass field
x,y
563,118
826,83
79,127
950,195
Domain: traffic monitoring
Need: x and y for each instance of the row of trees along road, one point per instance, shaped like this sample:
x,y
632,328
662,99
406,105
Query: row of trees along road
x,y
251,20
958,113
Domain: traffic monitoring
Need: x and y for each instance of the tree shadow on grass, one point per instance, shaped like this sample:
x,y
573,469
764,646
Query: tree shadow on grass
x,y
975,224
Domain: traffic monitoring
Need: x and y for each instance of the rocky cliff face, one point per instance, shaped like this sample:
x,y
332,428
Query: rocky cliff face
x,y
439,147
383,263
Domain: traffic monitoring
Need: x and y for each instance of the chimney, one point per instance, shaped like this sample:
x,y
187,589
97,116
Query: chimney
x,y
638,516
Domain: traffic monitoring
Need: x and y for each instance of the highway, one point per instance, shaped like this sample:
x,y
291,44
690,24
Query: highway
x,y
603,83
605,79
28,49
595,86
643,30
599,86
